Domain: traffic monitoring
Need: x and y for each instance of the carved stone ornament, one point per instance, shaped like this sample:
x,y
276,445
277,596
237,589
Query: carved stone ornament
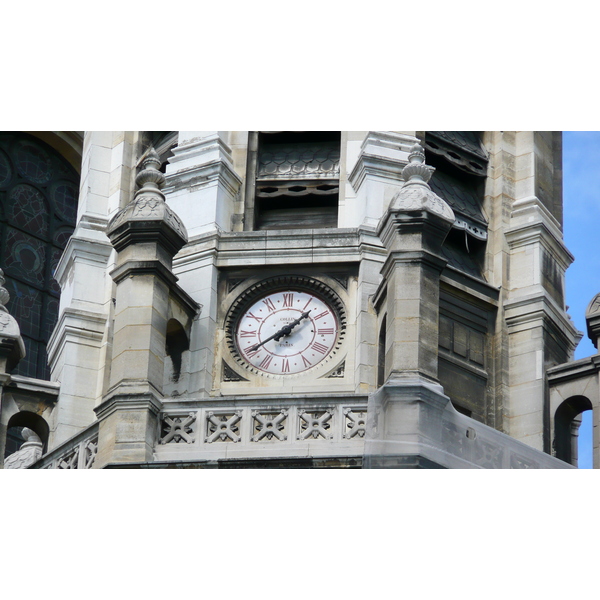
x,y
356,423
415,194
178,429
269,425
30,451
12,348
223,427
593,306
149,208
315,424
8,324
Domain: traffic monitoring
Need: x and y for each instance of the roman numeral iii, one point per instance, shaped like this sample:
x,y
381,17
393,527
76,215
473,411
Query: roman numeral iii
x,y
319,347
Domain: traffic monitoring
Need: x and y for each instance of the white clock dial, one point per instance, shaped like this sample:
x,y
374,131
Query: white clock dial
x,y
287,332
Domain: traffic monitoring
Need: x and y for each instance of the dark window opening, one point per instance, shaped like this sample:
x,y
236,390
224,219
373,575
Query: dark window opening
x,y
462,410
381,353
297,180
14,437
176,344
38,209
567,420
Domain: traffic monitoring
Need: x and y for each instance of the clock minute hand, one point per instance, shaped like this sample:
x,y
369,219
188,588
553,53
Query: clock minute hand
x,y
283,332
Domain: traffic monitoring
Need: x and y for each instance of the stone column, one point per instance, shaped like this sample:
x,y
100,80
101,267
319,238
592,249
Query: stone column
x,y
202,185
146,235
539,332
78,350
413,231
204,189
374,161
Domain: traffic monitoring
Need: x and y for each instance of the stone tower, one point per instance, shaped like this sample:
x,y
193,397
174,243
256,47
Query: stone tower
x,y
305,298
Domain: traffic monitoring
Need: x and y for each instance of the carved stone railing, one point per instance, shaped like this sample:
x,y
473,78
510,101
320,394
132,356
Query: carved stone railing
x,y
258,427
78,452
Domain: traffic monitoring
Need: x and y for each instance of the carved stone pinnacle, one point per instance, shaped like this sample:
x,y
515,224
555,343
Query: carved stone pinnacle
x,y
416,171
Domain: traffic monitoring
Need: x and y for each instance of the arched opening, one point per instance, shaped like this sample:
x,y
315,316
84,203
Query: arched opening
x,y
176,344
16,423
567,421
381,353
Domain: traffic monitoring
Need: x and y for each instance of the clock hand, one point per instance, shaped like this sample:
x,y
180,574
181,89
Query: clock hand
x,y
283,332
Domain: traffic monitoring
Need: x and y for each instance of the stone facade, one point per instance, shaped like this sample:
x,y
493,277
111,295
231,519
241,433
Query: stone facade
x,y
436,256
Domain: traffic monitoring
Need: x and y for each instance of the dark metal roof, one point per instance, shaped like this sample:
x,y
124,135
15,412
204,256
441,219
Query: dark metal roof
x,y
305,160
463,149
461,260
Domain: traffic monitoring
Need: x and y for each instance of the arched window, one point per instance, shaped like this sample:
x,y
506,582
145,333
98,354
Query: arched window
x,y
38,209
566,427
17,422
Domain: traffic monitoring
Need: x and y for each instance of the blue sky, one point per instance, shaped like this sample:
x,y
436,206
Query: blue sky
x,y
581,194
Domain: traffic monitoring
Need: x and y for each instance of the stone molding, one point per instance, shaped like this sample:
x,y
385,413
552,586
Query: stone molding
x,y
202,162
532,223
227,249
120,399
78,326
95,253
383,154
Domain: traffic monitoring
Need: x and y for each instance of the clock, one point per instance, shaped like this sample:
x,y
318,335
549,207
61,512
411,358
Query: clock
x,y
286,326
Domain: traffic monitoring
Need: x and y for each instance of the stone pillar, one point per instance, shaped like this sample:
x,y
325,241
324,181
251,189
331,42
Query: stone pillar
x,y
374,161
78,350
146,235
413,231
204,189
202,185
539,332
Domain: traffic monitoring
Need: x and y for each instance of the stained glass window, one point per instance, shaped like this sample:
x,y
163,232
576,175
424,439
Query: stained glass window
x,y
38,208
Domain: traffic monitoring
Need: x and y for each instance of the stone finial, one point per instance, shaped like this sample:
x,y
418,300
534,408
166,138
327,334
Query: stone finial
x,y
150,178
416,171
148,216
12,349
592,319
415,194
30,451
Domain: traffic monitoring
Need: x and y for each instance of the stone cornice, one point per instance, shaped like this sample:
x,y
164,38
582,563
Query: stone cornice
x,y
157,269
383,155
532,224
539,308
584,367
94,252
119,399
204,175
78,325
230,249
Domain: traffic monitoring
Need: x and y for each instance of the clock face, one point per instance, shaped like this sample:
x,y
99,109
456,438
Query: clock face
x,y
287,332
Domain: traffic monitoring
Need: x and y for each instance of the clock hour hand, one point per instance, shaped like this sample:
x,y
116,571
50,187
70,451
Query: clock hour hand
x,y
283,332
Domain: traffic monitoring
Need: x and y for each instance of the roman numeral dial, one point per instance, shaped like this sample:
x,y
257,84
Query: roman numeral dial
x,y
287,332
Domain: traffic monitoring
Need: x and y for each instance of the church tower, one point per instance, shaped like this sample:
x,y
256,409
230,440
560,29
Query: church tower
x,y
292,299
